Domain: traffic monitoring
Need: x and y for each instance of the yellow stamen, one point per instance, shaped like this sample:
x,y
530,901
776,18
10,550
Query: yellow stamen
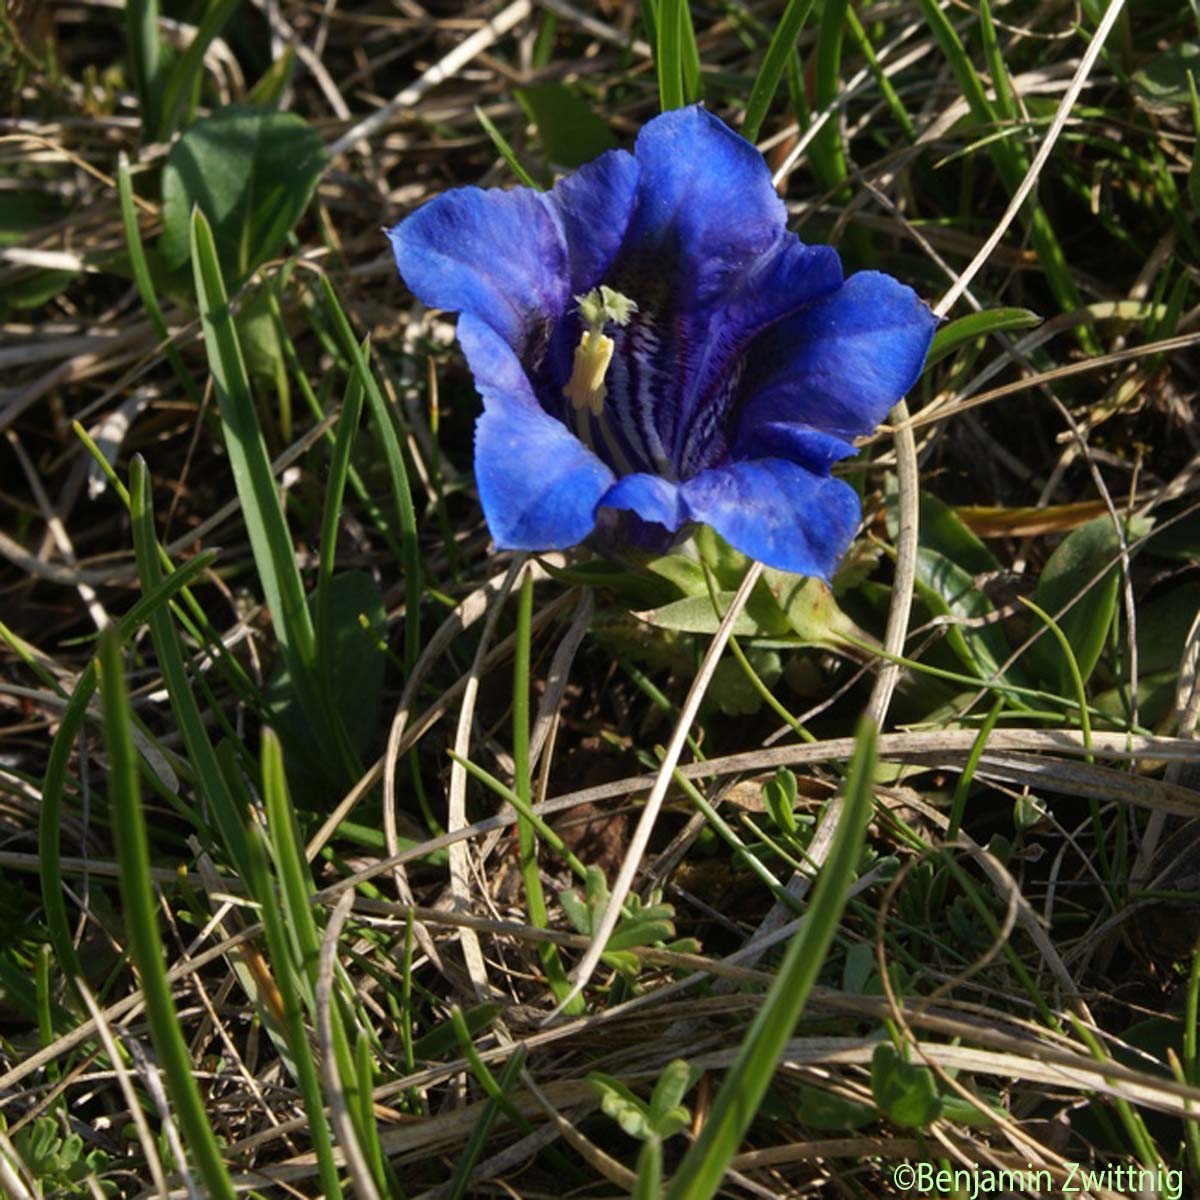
x,y
586,385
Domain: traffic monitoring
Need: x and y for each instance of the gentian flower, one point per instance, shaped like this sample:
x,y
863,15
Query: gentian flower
x,y
654,349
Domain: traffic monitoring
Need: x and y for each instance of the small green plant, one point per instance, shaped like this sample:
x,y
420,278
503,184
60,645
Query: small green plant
x,y
58,1162
652,1122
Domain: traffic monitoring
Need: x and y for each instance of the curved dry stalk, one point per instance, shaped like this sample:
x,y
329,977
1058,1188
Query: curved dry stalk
x,y
339,1111
645,826
456,801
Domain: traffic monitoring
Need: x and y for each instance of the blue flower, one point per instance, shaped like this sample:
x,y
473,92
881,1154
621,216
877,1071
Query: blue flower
x,y
654,348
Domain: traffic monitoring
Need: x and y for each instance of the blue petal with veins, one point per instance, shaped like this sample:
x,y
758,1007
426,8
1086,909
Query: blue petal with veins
x,y
745,373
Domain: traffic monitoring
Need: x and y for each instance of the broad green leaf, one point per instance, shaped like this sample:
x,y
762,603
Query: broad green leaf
x,y
1179,540
949,559
1078,559
728,565
1162,84
34,290
359,661
685,573
571,133
810,610
252,172
858,968
962,1112
1155,696
695,614
944,531
1163,624
905,1093
734,692
975,325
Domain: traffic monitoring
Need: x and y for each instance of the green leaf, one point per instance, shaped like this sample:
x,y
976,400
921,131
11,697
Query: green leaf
x,y
942,529
251,171
181,82
779,799
1193,179
733,689
1162,84
962,1112
571,133
273,82
357,677
622,1105
667,1114
810,610
141,34
140,914
858,968
443,1038
1078,559
695,614
976,325
906,1094
505,151
820,1109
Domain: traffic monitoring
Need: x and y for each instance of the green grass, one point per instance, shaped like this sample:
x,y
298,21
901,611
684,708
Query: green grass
x,y
845,945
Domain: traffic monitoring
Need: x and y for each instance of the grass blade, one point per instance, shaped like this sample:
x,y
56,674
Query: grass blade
x,y
505,151
141,31
171,663
526,834
704,1165
145,284
140,909
783,43
293,987
262,512
668,53
55,779
406,514
181,82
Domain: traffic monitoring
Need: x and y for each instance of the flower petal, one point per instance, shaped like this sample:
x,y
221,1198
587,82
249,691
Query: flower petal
x,y
650,496
798,443
496,254
838,364
498,372
710,263
593,206
538,483
773,510
705,205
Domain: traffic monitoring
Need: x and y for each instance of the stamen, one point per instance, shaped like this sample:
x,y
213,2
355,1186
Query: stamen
x,y
586,386
595,350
